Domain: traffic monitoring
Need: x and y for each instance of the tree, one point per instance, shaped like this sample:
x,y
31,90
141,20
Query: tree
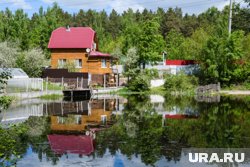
x,y
131,61
150,43
221,59
191,47
174,40
172,20
8,55
32,62
241,19
114,25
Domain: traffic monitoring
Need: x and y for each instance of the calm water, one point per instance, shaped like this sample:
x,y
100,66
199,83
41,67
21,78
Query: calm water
x,y
134,131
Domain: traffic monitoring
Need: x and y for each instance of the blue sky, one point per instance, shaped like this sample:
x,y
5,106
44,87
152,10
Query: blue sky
x,y
72,6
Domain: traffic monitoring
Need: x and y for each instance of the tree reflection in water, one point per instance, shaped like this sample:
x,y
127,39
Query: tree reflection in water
x,y
142,130
139,131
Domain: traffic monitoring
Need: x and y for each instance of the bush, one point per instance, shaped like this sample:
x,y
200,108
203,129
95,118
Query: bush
x,y
152,73
180,82
5,101
139,83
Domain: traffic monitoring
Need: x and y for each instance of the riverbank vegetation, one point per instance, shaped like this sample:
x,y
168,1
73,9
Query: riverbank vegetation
x,y
51,97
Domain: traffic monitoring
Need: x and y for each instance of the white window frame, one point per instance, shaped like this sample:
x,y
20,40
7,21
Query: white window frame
x,y
105,63
77,62
61,63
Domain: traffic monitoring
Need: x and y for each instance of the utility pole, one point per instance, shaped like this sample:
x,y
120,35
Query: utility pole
x,y
230,18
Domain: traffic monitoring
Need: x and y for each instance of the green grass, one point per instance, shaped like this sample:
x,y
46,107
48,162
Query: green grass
x,y
244,86
51,97
52,86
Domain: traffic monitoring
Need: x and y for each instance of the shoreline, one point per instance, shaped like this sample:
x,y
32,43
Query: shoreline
x,y
235,92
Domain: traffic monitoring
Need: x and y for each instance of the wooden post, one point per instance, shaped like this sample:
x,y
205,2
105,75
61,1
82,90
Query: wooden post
x,y
82,82
47,79
62,83
104,105
116,79
104,81
77,83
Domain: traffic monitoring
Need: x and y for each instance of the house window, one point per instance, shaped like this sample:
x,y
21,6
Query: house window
x,y
78,63
61,63
104,63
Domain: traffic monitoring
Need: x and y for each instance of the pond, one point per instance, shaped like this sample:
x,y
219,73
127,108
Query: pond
x,y
138,130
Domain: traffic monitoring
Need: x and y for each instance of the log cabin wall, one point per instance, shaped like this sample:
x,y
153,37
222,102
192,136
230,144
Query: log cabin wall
x,y
89,65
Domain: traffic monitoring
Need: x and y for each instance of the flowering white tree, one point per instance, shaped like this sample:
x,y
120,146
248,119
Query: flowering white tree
x,y
8,55
32,62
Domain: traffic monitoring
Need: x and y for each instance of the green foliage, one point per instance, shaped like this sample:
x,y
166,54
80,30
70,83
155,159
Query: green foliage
x,y
174,40
51,86
180,82
151,73
140,82
5,101
222,60
70,65
12,146
201,37
32,62
4,76
51,97
150,43
8,54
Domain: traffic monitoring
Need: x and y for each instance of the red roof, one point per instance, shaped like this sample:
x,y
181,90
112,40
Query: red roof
x,y
61,144
180,62
74,37
95,53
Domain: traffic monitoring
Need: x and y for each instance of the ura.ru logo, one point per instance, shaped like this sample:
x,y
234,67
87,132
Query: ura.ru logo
x,y
214,157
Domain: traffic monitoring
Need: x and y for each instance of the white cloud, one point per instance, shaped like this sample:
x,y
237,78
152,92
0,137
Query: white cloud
x,y
16,4
190,6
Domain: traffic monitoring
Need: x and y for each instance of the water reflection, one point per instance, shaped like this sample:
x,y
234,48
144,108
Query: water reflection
x,y
79,116
133,131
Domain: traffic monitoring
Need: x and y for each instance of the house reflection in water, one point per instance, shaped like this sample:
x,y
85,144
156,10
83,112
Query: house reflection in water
x,y
81,115
76,118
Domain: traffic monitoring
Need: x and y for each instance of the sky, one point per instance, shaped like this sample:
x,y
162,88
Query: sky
x,y
73,6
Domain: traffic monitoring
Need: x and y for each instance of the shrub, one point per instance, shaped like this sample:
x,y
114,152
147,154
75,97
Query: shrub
x,y
5,101
180,82
152,73
139,83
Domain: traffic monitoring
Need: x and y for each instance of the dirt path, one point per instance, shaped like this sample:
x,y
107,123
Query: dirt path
x,y
236,92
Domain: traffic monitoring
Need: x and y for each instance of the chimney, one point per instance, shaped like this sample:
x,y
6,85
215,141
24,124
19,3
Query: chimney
x,y
68,28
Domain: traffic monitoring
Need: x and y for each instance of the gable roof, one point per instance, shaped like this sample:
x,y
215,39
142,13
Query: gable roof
x,y
74,37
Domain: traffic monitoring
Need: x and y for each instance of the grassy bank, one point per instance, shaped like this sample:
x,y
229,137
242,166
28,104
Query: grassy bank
x,y
51,97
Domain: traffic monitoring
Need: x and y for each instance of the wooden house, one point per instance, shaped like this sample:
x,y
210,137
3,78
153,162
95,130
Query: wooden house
x,y
78,45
